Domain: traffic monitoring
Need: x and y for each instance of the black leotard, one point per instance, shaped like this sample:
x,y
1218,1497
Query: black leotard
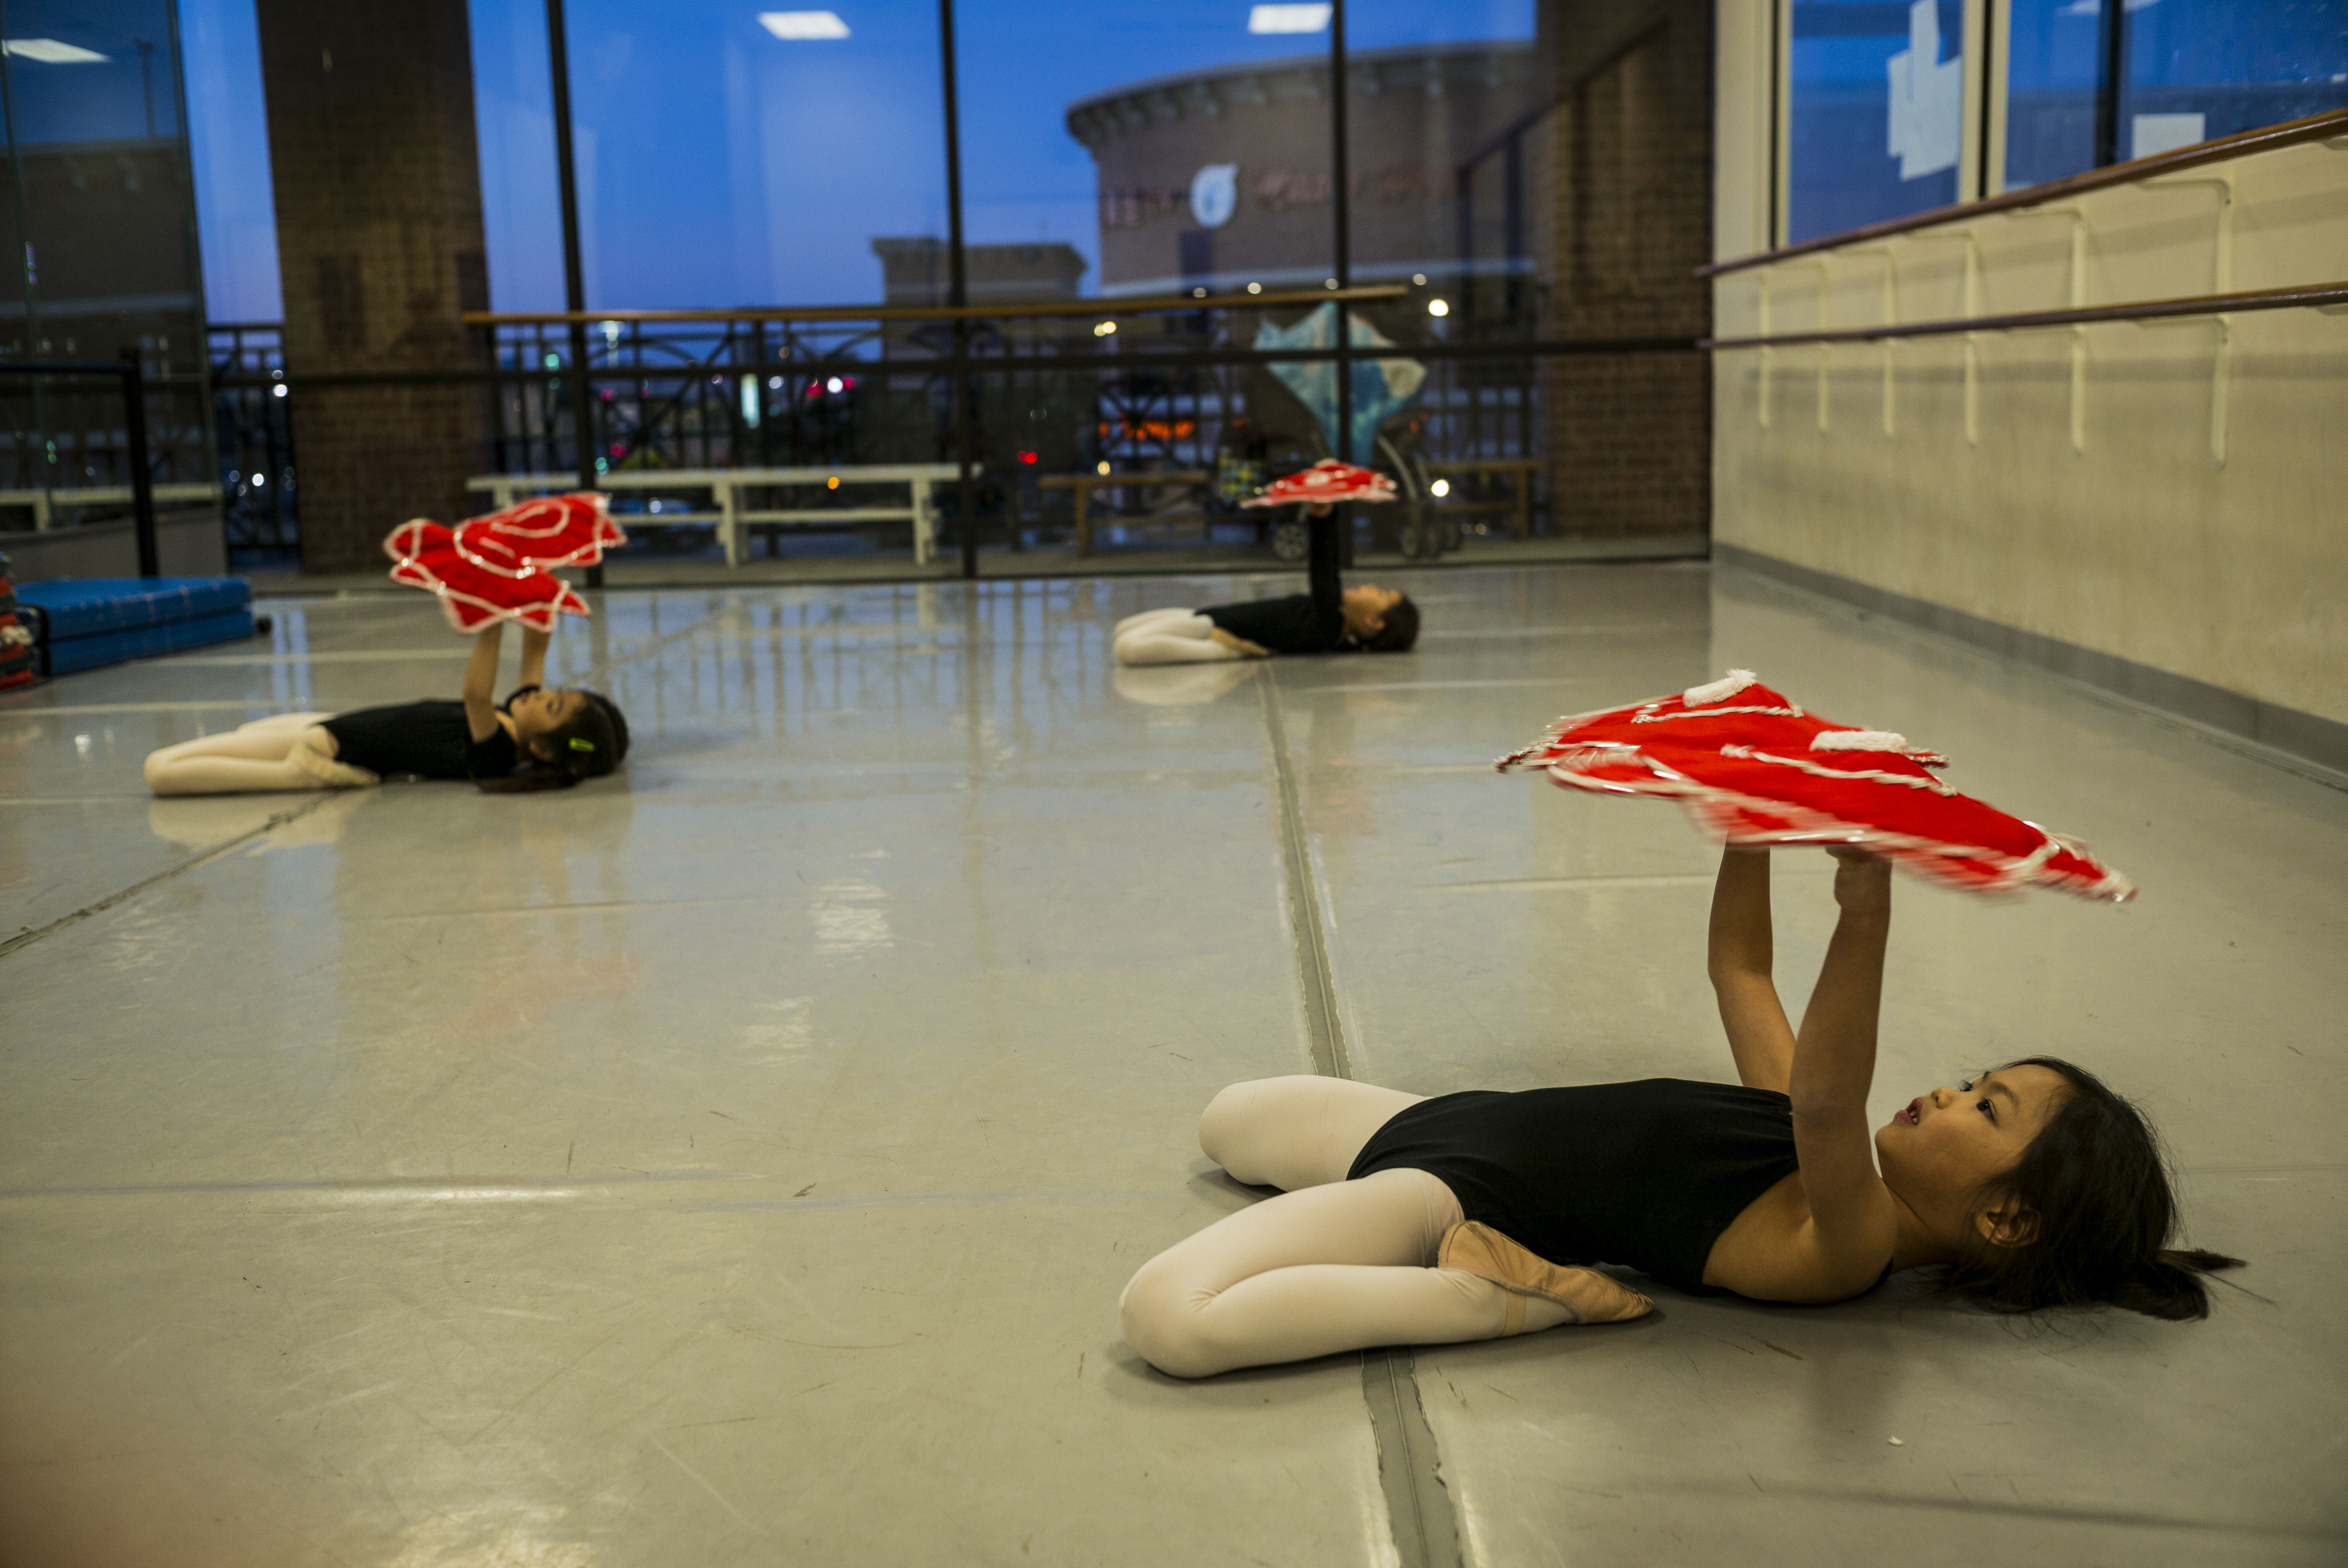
x,y
1311,622
1645,1173
432,739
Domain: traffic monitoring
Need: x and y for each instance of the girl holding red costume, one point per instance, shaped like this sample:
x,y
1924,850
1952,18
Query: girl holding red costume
x,y
1416,1221
1330,618
536,738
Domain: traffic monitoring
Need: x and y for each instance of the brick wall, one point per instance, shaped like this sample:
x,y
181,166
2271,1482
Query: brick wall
x,y
380,248
1624,175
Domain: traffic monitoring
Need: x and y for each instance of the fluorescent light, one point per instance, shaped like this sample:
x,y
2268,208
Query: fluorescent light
x,y
800,26
51,52
1288,18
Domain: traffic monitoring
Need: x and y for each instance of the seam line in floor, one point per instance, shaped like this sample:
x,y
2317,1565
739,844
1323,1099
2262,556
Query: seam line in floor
x,y
1418,1506
1328,1035
23,940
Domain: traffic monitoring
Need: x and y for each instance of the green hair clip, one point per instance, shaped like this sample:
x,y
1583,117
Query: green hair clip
x,y
578,744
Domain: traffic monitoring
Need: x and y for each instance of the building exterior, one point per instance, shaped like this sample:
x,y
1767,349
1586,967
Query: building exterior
x,y
1220,179
916,271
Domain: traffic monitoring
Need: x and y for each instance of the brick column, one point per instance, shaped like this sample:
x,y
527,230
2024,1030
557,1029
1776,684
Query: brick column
x,y
379,244
1627,172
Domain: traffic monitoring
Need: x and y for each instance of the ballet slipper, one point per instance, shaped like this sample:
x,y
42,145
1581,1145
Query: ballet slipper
x,y
327,770
1588,1295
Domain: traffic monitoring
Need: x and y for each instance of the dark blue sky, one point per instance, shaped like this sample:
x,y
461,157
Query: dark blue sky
x,y
722,165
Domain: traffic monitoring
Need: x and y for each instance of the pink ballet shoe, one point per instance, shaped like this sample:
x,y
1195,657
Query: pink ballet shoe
x,y
1588,1296
327,770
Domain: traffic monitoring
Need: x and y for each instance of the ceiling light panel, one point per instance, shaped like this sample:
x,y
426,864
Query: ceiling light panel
x,y
1288,18
52,51
802,27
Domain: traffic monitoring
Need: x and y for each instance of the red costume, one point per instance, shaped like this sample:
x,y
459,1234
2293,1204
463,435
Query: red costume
x,y
501,567
1750,767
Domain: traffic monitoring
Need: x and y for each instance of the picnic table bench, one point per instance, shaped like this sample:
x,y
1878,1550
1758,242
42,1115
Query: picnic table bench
x,y
1521,467
1084,485
732,517
44,503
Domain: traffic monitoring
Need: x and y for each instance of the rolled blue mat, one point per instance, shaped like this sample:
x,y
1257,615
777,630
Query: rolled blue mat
x,y
81,624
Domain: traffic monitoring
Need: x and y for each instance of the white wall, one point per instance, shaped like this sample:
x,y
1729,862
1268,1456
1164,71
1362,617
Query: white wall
x,y
2165,493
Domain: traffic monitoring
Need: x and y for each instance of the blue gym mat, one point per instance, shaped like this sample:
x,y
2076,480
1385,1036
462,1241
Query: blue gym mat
x,y
81,624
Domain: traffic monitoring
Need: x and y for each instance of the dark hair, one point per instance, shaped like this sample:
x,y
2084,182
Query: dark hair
x,y
590,744
2097,1186
1400,631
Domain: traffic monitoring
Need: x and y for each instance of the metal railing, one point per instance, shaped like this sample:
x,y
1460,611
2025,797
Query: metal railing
x,y
1054,387
258,495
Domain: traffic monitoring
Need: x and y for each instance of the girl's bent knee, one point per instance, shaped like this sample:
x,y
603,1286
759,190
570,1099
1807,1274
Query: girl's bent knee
x,y
1160,1326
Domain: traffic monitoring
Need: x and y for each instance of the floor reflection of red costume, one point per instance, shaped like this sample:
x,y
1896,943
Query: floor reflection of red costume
x,y
512,1002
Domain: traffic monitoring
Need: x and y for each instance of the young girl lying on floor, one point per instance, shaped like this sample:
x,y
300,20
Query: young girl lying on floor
x,y
1329,619
536,738
1414,1221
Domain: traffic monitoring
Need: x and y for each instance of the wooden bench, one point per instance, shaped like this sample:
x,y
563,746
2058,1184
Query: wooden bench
x,y
45,503
1084,485
732,518
1522,467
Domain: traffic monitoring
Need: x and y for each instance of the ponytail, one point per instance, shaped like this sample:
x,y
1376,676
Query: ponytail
x,y
2170,1285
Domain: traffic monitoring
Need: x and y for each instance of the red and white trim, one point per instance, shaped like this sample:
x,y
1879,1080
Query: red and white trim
x,y
1719,768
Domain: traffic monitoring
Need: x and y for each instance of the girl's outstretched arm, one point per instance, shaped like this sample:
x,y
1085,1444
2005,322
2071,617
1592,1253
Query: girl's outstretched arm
x,y
1834,1066
1739,959
481,681
533,656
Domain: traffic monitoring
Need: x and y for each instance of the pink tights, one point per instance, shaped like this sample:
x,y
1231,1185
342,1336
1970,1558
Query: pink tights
x,y
1329,1264
255,756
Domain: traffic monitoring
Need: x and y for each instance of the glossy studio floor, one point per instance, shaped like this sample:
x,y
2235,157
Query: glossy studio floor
x,y
741,1166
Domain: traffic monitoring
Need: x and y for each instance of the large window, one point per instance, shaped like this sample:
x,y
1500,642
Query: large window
x,y
98,208
1884,96
2193,69
1448,132
2055,55
2203,68
725,155
1145,149
1877,115
96,188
